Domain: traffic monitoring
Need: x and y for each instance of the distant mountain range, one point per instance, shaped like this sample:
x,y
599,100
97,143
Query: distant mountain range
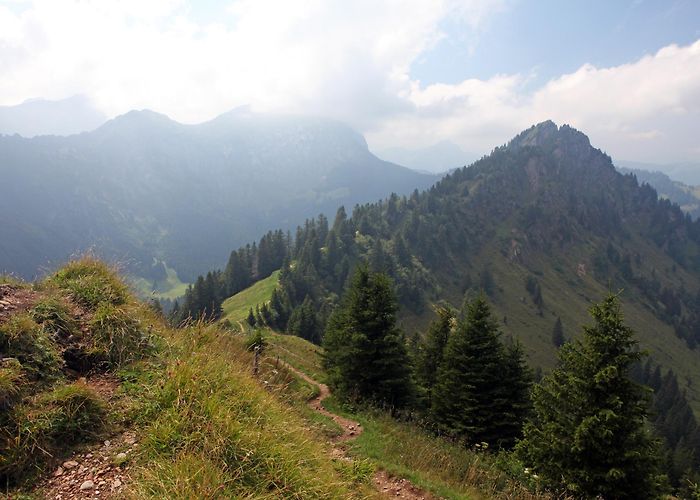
x,y
438,158
43,117
143,188
686,172
688,197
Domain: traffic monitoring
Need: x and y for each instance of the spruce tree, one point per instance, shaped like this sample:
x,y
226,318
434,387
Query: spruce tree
x,y
558,334
258,317
365,352
175,313
588,435
431,355
251,318
517,382
471,396
304,323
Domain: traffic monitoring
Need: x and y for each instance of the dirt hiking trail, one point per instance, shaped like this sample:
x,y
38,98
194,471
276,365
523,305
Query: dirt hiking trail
x,y
386,484
98,471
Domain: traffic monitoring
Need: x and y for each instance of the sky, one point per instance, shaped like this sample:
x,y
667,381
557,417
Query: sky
x,y
405,73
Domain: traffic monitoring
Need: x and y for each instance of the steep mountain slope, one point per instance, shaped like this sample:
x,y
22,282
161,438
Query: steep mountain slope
x,y
544,225
687,197
42,117
143,188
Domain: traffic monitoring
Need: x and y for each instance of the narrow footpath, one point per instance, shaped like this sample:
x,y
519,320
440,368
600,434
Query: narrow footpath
x,y
386,484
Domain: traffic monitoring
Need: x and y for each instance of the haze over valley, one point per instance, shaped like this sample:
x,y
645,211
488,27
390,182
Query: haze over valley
x,y
260,249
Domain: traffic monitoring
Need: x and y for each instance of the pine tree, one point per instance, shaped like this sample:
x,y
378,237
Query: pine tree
x,y
433,350
517,382
156,307
175,313
588,434
558,334
403,256
365,352
278,310
251,318
471,397
258,317
266,315
304,323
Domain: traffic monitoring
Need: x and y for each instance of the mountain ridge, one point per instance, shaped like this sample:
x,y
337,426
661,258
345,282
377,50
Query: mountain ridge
x,y
544,225
38,117
145,189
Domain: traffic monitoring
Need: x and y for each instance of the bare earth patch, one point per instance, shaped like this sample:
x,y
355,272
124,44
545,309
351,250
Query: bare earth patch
x,y
14,299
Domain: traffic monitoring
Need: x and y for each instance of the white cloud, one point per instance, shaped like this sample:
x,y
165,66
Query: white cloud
x,y
648,109
347,60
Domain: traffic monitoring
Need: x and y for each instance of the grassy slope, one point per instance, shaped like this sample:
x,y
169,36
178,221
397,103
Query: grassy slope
x,y
565,293
568,295
170,288
207,428
213,432
403,449
296,351
236,308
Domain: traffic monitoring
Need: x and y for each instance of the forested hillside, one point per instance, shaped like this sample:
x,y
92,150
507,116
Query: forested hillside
x,y
687,197
544,225
145,190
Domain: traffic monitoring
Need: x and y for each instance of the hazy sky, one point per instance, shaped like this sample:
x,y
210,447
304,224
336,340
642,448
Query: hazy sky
x,y
404,72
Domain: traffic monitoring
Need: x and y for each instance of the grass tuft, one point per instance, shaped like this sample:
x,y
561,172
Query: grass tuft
x,y
117,335
10,385
26,341
91,282
55,316
47,425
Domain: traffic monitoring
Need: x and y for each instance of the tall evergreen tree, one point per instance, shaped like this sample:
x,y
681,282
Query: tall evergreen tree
x,y
175,313
470,399
517,382
588,434
251,318
558,333
303,322
431,355
366,354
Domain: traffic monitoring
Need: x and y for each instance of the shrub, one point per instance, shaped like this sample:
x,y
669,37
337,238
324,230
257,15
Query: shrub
x,y
256,340
91,282
22,338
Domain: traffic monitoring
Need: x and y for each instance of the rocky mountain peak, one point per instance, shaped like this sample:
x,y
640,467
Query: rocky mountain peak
x,y
548,135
